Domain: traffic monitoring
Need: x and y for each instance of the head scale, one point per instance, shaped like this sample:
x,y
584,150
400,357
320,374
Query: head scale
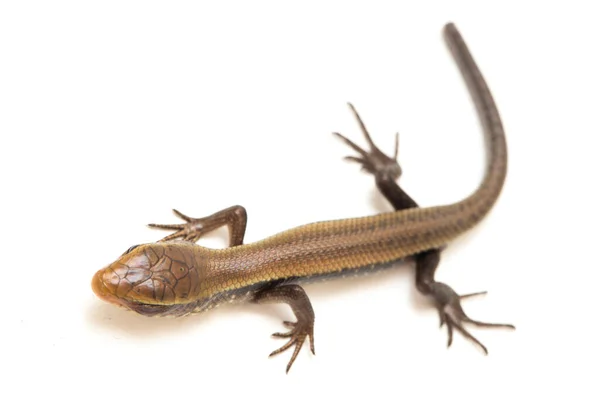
x,y
150,279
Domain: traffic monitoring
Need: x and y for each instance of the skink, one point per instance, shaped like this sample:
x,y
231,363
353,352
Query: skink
x,y
176,277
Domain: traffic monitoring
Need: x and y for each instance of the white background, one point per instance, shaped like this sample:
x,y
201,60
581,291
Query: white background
x,y
113,112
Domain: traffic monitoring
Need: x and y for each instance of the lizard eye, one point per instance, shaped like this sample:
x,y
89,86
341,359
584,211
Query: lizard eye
x,y
131,248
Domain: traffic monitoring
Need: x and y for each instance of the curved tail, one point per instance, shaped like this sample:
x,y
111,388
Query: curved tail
x,y
481,201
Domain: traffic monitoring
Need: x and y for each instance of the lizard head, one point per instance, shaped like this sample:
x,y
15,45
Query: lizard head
x,y
150,279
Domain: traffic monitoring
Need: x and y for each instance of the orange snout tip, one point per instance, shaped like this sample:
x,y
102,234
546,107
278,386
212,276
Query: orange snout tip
x,y
100,289
97,285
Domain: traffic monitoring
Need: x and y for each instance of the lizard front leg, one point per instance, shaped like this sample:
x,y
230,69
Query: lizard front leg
x,y
296,298
293,295
386,171
234,217
446,300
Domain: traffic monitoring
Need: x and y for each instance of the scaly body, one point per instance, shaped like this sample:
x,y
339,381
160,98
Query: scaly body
x,y
177,277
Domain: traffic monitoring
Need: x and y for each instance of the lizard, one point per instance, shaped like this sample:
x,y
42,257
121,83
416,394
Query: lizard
x,y
175,276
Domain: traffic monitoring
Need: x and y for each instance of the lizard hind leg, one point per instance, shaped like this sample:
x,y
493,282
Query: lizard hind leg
x,y
446,300
374,160
452,314
386,170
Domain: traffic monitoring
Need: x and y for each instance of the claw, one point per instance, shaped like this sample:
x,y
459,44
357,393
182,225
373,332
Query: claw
x,y
182,216
452,314
167,226
297,335
462,330
172,236
449,327
191,231
286,346
282,334
466,296
352,144
442,317
374,160
363,128
286,334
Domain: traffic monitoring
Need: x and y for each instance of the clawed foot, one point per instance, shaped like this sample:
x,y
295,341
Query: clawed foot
x,y
374,160
297,334
451,313
191,231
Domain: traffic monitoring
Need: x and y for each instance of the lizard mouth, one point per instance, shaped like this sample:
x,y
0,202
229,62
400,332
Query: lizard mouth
x,y
104,293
